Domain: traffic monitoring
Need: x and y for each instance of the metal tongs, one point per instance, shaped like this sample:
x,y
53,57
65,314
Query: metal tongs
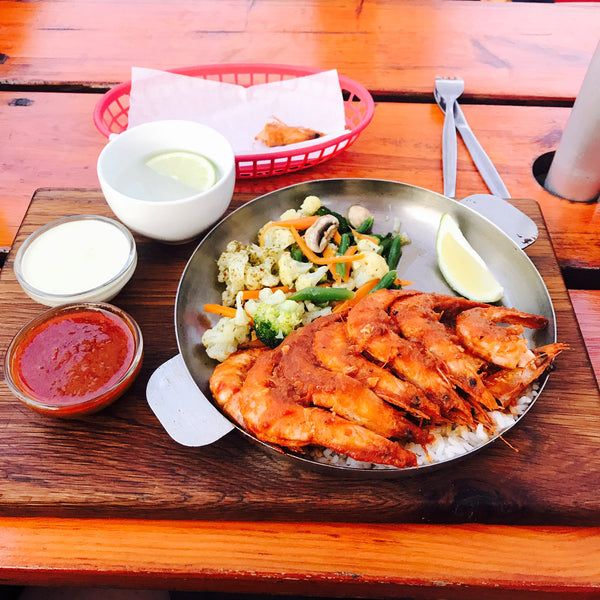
x,y
515,223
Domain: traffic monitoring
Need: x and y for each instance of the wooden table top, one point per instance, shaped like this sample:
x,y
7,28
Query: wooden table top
x,y
121,464
523,64
402,143
520,52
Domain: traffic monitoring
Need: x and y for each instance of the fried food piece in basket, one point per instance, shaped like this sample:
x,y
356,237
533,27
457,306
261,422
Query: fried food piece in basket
x,y
277,133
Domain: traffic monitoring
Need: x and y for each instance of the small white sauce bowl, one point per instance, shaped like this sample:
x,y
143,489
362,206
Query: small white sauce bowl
x,y
170,221
82,258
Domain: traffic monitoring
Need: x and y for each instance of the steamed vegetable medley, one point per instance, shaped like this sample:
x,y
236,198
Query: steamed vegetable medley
x,y
309,263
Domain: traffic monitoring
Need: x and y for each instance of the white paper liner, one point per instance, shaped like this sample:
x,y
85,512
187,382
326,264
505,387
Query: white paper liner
x,y
238,112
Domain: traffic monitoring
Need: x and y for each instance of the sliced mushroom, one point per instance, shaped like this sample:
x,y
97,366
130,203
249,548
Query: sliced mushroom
x,y
320,232
357,215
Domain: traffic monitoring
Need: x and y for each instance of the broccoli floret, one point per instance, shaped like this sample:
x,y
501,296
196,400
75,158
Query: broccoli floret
x,y
273,322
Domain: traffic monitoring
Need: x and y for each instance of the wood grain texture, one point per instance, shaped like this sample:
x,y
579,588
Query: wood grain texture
x,y
586,304
506,51
341,560
53,143
121,463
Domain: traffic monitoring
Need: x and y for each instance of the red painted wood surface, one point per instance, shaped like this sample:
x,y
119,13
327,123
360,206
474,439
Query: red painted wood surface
x,y
350,560
524,53
53,143
507,51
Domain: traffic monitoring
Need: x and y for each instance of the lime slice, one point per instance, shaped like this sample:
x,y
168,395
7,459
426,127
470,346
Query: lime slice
x,y
463,269
191,169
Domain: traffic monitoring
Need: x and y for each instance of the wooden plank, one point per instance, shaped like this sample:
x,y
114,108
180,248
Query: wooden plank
x,y
341,560
53,143
505,51
586,304
121,462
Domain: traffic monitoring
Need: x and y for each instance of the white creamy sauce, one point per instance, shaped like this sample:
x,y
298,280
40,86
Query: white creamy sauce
x,y
75,257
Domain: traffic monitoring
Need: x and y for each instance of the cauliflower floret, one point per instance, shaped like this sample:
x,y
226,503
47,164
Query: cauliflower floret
x,y
310,205
366,245
310,279
232,267
271,297
244,266
290,269
278,238
371,266
291,213
262,274
313,311
225,337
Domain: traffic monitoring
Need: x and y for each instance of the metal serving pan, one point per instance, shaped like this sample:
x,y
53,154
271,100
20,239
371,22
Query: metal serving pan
x,y
418,210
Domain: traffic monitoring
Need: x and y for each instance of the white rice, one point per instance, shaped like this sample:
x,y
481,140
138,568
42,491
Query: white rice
x,y
450,441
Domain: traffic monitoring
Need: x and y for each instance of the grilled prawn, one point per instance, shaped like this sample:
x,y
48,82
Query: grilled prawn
x,y
374,331
481,331
273,413
335,351
418,320
508,385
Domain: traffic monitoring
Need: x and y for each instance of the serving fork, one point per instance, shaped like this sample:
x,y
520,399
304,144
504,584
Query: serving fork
x,y
448,90
482,161
514,222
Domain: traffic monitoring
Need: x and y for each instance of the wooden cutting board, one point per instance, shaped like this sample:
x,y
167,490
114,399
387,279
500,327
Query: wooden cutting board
x,y
121,462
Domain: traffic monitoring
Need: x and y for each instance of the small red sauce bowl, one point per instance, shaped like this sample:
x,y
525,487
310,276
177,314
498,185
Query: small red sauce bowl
x,y
74,359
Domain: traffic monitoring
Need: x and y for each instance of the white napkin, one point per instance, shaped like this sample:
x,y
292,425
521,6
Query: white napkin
x,y
238,112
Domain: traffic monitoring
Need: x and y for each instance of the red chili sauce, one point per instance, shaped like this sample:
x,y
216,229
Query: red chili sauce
x,y
74,357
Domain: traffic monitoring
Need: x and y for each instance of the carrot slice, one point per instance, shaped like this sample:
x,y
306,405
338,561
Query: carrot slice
x,y
218,309
253,294
320,260
352,250
365,236
328,253
361,292
299,223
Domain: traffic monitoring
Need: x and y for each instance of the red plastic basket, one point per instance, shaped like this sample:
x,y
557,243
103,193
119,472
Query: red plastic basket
x,y
111,115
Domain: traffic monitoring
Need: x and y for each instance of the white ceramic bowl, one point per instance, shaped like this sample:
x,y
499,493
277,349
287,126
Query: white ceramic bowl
x,y
82,258
120,166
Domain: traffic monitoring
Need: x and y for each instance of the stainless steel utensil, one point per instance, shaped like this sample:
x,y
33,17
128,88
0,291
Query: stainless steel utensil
x,y
514,222
448,90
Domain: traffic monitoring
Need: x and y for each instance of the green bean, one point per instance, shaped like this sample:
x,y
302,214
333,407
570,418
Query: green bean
x,y
385,282
365,226
385,241
395,252
344,245
318,295
297,253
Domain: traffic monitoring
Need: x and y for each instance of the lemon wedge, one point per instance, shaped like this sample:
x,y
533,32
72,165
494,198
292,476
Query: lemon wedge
x,y
189,168
463,269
